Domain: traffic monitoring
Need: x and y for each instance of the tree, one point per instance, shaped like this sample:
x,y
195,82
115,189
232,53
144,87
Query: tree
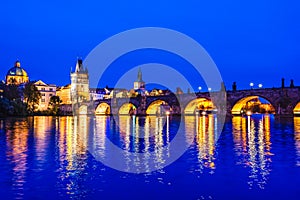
x,y
31,96
11,92
54,104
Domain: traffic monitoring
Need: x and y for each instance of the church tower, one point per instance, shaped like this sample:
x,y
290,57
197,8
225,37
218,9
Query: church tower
x,y
80,84
139,83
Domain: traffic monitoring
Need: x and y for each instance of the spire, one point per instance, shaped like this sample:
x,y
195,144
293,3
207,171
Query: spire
x,y
79,66
140,78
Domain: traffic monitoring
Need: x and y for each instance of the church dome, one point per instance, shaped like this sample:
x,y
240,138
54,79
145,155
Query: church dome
x,y
16,71
16,74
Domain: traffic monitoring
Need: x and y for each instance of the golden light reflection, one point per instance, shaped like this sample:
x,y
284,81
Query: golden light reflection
x,y
257,153
17,146
158,138
239,130
144,135
204,129
41,130
297,137
73,138
100,134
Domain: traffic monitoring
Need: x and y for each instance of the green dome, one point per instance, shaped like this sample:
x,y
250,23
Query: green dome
x,y
17,71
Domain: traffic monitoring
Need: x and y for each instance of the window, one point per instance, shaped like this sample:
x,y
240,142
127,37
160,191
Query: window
x,y
43,89
43,100
51,89
50,95
43,94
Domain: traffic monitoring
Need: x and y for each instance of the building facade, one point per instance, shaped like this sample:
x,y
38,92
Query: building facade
x,y
47,91
64,94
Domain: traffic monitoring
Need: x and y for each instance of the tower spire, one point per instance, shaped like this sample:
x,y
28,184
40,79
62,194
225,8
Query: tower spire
x,y
78,65
140,76
139,83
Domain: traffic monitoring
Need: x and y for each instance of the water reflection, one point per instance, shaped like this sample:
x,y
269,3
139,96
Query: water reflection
x,y
72,142
141,138
251,136
204,129
17,132
297,138
149,137
41,132
36,149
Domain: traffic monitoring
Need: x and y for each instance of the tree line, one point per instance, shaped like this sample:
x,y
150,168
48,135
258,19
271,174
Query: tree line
x,y
23,100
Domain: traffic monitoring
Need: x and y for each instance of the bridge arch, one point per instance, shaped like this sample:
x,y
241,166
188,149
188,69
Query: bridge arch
x,y
156,106
296,109
103,109
83,110
242,105
199,103
127,108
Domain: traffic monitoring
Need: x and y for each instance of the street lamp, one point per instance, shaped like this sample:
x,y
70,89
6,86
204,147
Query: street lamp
x,y
199,88
209,89
260,85
251,85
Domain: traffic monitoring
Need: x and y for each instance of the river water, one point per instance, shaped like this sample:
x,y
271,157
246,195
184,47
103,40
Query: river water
x,y
56,158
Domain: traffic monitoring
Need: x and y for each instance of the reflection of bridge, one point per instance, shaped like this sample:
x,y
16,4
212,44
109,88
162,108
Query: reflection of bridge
x,y
285,101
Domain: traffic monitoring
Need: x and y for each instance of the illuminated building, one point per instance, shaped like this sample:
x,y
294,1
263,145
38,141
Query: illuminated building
x,y
16,75
47,91
64,94
80,83
80,91
97,93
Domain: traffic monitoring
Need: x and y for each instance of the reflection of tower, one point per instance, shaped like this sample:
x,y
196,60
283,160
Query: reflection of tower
x,y
139,83
80,96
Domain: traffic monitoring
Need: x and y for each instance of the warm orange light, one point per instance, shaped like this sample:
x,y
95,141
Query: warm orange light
x,y
249,113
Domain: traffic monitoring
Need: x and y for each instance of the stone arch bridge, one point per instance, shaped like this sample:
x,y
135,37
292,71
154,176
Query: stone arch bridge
x,y
285,102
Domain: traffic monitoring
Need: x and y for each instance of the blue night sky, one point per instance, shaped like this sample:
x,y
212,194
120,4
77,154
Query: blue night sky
x,y
250,41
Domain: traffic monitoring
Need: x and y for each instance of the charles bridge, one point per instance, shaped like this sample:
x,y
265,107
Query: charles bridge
x,y
285,102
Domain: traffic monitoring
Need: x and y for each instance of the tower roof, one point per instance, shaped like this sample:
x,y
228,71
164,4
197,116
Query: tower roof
x,y
140,76
79,66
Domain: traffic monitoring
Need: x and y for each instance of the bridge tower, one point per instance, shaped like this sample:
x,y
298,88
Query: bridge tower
x,y
80,95
139,83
